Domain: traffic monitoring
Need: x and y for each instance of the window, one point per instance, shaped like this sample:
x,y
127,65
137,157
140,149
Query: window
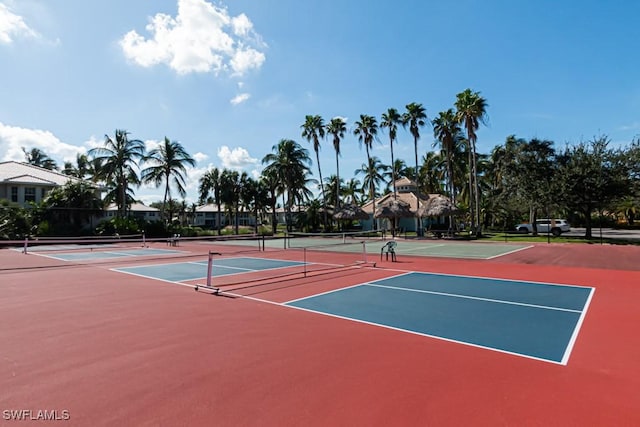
x,y
43,193
29,194
14,194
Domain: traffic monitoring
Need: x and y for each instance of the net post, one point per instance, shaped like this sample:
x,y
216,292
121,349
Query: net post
x,y
209,269
304,251
364,250
286,236
26,243
263,243
144,244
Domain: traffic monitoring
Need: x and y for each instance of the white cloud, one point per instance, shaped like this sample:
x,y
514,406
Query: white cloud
x,y
630,126
240,98
200,157
13,139
236,158
245,59
13,26
201,38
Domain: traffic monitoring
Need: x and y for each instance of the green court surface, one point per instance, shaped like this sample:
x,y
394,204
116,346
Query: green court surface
x,y
431,248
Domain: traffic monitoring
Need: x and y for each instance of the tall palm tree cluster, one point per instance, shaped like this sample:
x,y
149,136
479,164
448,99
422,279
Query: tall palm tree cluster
x,y
116,165
123,164
517,176
469,112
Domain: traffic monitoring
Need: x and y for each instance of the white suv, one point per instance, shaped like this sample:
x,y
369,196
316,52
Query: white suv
x,y
546,225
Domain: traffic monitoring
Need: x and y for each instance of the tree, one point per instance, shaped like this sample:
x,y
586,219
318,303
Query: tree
x,y
337,128
168,166
415,117
37,157
313,130
591,176
210,183
366,130
373,172
431,173
353,192
471,111
447,131
119,158
232,183
274,187
529,174
80,170
73,204
391,119
290,163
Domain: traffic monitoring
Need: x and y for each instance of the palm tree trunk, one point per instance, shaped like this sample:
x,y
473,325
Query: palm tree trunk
x,y
476,192
337,183
324,200
418,221
393,172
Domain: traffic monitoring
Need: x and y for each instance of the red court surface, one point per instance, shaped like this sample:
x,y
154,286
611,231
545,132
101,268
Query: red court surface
x,y
115,349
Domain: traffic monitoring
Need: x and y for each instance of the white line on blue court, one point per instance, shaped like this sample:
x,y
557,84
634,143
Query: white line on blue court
x,y
414,332
574,336
545,307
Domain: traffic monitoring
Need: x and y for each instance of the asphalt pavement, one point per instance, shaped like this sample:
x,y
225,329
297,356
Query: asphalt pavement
x,y
607,233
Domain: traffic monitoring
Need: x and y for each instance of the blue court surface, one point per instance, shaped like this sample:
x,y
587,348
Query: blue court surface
x,y
112,253
535,320
184,271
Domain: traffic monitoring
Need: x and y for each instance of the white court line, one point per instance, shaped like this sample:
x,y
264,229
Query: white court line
x,y
574,336
420,248
416,333
475,298
511,252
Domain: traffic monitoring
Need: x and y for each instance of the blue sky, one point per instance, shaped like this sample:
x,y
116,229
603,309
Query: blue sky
x,y
230,79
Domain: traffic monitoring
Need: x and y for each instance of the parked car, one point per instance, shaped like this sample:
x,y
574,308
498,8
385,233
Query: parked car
x,y
546,225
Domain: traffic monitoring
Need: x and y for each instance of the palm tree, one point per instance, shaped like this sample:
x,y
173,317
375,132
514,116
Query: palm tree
x,y
210,183
446,129
37,157
337,127
471,111
391,119
274,187
169,163
290,163
432,173
373,172
415,117
80,169
366,130
232,182
119,158
353,191
313,130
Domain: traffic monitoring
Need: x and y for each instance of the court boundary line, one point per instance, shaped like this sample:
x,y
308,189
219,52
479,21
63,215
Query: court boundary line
x,y
578,327
568,348
543,307
118,253
366,322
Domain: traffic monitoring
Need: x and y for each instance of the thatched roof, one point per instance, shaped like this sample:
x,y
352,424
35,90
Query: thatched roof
x,y
393,209
437,206
350,211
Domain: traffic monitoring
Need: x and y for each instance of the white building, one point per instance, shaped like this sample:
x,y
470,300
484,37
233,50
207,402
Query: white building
x,y
22,183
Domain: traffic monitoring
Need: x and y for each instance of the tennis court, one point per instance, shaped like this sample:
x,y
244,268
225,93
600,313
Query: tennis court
x,y
538,335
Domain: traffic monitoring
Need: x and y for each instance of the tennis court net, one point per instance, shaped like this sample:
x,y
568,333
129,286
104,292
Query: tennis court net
x,y
299,240
278,265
